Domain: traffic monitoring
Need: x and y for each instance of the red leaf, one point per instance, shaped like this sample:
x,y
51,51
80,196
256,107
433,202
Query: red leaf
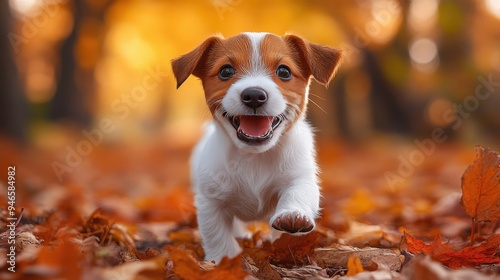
x,y
444,253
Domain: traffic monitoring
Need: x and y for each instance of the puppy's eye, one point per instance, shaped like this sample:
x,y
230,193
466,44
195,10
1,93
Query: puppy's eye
x,y
226,72
284,73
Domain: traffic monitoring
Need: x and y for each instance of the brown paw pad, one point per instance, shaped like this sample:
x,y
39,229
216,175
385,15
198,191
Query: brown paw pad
x,y
292,222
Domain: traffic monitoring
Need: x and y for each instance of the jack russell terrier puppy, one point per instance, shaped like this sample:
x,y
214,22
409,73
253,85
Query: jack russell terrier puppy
x,y
256,159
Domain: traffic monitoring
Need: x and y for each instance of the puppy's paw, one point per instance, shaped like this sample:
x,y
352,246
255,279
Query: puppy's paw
x,y
292,222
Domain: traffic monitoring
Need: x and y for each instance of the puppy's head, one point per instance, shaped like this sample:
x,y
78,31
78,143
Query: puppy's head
x,y
256,84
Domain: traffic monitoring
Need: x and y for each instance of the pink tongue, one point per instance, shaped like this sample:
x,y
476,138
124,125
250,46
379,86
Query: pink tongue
x,y
255,125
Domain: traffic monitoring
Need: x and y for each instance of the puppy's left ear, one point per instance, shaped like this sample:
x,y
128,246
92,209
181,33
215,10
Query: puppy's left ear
x,y
316,60
193,62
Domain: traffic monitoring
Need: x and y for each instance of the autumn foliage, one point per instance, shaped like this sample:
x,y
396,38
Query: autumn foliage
x,y
447,255
100,228
481,186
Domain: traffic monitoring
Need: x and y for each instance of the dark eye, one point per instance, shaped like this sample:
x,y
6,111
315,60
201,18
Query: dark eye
x,y
226,72
284,73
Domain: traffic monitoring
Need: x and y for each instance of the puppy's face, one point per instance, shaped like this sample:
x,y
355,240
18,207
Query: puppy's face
x,y
256,84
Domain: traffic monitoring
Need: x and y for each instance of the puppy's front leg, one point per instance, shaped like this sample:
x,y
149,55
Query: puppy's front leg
x,y
297,208
216,229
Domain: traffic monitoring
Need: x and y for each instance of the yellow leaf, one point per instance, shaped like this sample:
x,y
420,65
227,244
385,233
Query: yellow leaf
x,y
354,266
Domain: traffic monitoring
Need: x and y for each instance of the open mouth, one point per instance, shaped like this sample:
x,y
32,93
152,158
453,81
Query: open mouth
x,y
254,129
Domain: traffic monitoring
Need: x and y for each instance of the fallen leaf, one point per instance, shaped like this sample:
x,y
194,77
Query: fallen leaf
x,y
354,266
149,269
303,272
339,256
481,186
50,257
423,267
292,250
476,255
444,253
415,245
186,267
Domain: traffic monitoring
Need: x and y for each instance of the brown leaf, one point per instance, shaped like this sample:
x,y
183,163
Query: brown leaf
x,y
291,250
481,186
444,253
354,266
339,256
303,272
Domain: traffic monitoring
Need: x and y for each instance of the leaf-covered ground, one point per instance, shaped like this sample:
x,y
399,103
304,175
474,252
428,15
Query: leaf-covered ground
x,y
125,212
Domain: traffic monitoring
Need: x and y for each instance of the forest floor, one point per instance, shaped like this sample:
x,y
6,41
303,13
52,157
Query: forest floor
x,y
390,210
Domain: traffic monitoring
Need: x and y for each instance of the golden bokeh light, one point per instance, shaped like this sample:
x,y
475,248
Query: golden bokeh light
x,y
440,111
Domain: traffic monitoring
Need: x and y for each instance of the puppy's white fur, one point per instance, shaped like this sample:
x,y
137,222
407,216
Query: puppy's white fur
x,y
235,181
232,184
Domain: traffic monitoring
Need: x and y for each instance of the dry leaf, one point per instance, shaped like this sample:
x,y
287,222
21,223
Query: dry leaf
x,y
423,267
338,257
292,250
444,253
50,258
150,269
354,266
481,186
303,272
186,267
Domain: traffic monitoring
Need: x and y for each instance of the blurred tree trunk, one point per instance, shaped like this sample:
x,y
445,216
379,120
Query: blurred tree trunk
x,y
386,102
69,101
13,104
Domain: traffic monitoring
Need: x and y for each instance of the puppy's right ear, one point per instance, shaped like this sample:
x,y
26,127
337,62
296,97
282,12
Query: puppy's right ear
x,y
192,62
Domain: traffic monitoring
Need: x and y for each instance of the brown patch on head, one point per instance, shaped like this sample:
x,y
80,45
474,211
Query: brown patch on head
x,y
274,51
235,51
206,60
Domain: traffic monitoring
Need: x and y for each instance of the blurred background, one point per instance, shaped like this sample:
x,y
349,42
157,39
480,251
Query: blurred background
x,y
408,64
87,84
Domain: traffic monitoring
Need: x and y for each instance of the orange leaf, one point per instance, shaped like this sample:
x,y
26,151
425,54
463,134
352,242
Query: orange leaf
x,y
444,253
186,267
473,256
65,253
481,186
291,250
354,266
415,245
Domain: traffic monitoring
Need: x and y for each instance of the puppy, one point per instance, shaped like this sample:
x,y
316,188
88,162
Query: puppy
x,y
256,159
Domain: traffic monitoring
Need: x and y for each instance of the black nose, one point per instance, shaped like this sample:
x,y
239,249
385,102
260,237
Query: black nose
x,y
254,97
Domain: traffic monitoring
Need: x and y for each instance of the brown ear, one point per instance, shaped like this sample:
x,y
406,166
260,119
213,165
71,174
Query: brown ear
x,y
320,61
192,62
